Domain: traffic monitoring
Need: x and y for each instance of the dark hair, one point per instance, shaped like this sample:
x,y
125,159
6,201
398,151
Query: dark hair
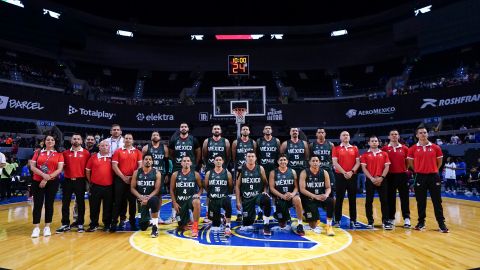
x,y
314,156
250,152
128,134
372,136
155,131
55,138
394,130
420,127
147,155
320,128
282,155
219,157
77,134
115,125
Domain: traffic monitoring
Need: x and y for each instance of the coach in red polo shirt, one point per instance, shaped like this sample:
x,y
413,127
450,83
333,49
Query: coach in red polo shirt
x,y
100,175
74,169
125,162
346,161
375,165
397,178
426,158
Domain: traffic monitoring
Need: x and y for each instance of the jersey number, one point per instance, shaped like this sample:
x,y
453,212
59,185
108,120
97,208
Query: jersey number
x,y
285,189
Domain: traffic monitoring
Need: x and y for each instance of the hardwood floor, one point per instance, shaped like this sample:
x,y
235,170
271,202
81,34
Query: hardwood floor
x,y
397,249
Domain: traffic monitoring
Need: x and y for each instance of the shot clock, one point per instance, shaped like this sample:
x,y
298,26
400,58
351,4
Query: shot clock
x,y
238,65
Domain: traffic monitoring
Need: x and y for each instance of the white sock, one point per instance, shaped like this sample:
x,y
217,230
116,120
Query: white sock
x,y
329,221
228,224
300,221
266,220
174,213
155,221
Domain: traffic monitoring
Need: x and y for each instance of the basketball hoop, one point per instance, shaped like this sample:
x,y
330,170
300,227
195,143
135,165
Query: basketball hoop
x,y
240,114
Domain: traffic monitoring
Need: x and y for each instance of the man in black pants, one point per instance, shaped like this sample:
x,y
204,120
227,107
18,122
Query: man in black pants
x,y
100,176
346,161
375,165
75,182
397,178
425,158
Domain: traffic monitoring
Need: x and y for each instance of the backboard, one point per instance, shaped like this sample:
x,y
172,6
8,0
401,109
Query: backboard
x,y
227,97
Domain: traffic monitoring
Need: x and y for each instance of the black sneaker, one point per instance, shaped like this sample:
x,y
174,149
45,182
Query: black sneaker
x,y
113,227
154,233
387,226
106,228
62,229
239,218
92,229
420,226
134,228
74,225
266,230
443,228
81,229
122,225
370,225
300,230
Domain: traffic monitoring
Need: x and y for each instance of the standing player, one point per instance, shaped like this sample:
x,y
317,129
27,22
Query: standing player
x,y
346,160
426,158
159,152
213,147
268,150
145,186
251,190
185,190
315,188
219,183
116,140
375,165
240,147
184,145
296,151
397,178
283,184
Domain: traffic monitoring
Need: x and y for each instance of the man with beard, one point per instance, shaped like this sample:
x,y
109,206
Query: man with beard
x,y
185,145
185,190
75,182
90,144
159,152
213,147
145,186
296,151
240,147
268,150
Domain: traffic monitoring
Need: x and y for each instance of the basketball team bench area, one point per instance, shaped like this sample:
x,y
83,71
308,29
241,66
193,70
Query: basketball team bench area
x,y
359,248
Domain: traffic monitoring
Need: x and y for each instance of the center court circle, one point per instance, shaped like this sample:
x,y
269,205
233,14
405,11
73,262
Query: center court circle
x,y
242,248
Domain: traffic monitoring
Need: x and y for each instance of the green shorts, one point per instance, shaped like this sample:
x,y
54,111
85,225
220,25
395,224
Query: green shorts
x,y
183,216
248,209
282,212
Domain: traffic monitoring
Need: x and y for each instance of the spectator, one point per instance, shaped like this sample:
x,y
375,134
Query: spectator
x,y
461,171
450,176
455,139
6,178
473,182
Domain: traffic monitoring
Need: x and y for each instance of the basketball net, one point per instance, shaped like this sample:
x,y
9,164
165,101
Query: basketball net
x,y
240,114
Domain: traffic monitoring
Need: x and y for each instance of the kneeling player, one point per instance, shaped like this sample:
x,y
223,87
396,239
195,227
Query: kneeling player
x,y
283,184
315,190
251,190
145,186
218,183
185,190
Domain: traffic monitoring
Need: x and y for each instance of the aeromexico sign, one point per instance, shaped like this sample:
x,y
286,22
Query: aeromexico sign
x,y
375,111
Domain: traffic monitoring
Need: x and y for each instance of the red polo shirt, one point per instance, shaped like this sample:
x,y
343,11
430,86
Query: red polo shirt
x,y
375,161
101,170
397,155
127,160
75,162
425,157
346,156
49,158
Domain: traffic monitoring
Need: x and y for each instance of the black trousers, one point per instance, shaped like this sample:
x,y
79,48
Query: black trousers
x,y
101,195
382,193
122,196
76,187
43,196
433,184
349,185
397,181
5,188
